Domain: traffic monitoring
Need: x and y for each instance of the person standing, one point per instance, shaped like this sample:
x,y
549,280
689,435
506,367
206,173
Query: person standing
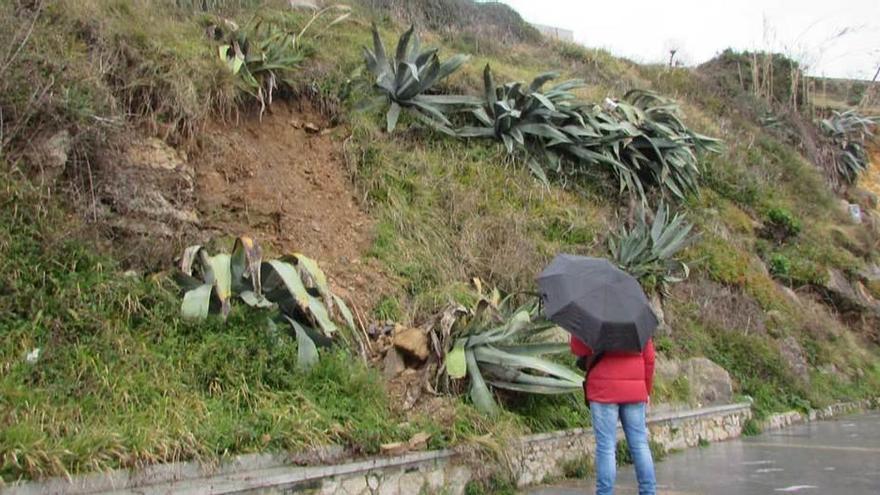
x,y
618,386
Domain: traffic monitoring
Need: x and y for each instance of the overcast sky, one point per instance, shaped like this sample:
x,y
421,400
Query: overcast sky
x,y
644,29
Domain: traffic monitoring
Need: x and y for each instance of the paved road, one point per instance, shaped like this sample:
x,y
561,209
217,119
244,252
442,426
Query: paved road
x,y
833,457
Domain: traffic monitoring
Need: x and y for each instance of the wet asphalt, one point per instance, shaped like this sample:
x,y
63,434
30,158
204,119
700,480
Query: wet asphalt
x,y
834,457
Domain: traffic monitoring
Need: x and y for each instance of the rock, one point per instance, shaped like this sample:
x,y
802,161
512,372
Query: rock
x,y
419,441
793,354
657,307
710,383
666,369
871,273
311,128
148,188
49,154
848,295
393,363
413,342
394,448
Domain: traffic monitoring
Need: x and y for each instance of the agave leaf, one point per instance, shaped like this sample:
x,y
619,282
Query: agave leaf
x,y
659,222
456,362
322,316
197,302
482,116
306,352
538,171
489,354
508,143
542,79
290,279
403,43
431,112
489,92
245,264
379,50
540,349
346,312
561,388
480,394
476,132
544,101
544,130
448,99
186,282
254,300
219,273
187,261
314,272
448,67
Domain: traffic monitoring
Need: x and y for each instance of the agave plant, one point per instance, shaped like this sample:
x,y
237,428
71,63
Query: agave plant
x,y
665,149
264,53
848,131
514,113
404,79
293,285
497,345
648,251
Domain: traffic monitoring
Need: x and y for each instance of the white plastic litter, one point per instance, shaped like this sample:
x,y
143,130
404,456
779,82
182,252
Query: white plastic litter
x,y
33,356
855,211
609,104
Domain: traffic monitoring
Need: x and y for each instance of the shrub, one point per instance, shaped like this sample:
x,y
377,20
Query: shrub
x,y
780,266
578,468
751,427
781,225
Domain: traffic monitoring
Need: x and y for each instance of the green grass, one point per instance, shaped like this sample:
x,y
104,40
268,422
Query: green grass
x,y
93,401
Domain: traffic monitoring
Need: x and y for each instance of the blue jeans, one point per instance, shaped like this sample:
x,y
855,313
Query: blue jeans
x,y
632,417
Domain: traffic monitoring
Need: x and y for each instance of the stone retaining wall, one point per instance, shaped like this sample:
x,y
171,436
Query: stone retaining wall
x,y
529,460
785,419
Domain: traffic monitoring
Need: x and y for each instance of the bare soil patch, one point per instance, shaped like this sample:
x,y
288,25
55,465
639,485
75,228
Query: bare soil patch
x,y
283,180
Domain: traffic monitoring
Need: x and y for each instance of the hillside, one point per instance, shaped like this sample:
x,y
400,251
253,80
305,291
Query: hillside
x,y
125,139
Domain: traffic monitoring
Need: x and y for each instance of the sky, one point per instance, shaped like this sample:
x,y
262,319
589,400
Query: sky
x,y
838,38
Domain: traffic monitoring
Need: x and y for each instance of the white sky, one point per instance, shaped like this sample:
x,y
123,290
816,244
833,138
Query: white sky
x,y
642,30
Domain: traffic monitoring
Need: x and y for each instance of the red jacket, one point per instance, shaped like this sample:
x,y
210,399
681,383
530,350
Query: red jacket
x,y
619,377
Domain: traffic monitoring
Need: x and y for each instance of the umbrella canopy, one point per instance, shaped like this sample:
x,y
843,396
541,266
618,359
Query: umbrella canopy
x,y
597,302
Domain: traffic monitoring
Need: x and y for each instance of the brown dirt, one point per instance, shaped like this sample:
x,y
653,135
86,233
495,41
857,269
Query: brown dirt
x,y
283,181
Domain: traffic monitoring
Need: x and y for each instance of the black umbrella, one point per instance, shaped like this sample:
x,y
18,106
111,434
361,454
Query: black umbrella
x,y
597,302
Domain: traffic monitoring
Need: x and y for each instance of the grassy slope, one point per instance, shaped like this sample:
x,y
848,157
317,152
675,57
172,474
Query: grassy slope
x,y
447,210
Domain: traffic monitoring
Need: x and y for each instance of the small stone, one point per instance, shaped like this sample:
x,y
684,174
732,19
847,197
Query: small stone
x,y
311,128
393,364
394,448
412,342
419,441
